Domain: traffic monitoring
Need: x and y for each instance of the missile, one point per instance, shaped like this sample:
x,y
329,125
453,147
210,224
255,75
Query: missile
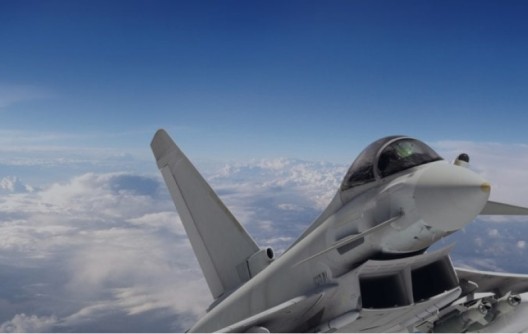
x,y
476,313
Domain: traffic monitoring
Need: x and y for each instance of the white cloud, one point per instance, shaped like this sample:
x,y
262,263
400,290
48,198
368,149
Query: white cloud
x,y
115,243
277,202
41,158
273,164
494,233
521,244
289,207
22,323
13,184
160,220
318,181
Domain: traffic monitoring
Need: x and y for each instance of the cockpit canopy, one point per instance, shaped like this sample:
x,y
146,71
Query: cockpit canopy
x,y
387,156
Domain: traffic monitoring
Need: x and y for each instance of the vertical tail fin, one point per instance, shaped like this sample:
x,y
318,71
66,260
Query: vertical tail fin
x,y
220,243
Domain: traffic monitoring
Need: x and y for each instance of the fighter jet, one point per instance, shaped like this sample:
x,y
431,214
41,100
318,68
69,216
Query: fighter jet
x,y
363,265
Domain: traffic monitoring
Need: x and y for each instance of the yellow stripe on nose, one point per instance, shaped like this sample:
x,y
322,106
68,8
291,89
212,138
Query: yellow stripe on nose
x,y
485,187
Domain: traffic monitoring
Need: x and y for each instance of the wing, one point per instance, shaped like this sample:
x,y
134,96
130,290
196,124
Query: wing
x,y
498,283
496,208
490,302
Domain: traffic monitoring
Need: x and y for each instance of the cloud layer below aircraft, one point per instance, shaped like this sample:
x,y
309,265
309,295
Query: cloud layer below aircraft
x,y
106,251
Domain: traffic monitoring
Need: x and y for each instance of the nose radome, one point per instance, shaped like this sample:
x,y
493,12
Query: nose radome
x,y
448,197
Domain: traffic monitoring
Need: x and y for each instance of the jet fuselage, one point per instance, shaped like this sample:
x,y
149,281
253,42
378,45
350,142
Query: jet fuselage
x,y
397,216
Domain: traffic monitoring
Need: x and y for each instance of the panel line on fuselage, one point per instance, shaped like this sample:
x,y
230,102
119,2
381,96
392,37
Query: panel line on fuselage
x,y
352,238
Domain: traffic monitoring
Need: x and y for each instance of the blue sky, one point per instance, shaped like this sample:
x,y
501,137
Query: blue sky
x,y
244,79
272,100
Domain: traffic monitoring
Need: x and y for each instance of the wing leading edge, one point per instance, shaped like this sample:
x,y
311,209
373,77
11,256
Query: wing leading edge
x,y
496,208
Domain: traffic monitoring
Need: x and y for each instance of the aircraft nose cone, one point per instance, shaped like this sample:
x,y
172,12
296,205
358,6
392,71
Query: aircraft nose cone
x,y
448,197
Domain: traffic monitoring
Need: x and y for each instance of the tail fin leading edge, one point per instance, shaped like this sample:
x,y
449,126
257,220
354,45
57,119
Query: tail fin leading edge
x,y
220,243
